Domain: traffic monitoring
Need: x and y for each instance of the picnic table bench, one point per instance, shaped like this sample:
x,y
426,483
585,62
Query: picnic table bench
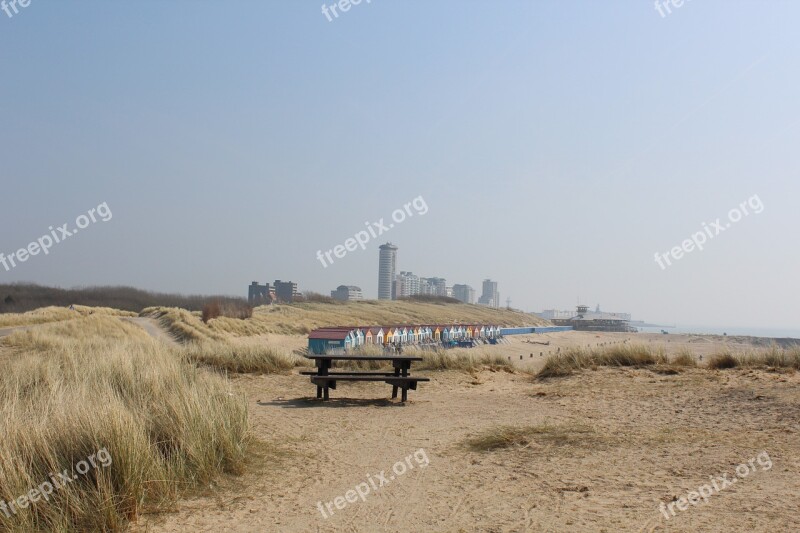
x,y
399,378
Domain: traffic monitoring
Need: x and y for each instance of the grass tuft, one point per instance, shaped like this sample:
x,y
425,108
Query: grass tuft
x,y
722,361
241,356
510,436
684,358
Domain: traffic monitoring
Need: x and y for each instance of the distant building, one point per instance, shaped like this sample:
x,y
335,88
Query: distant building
x,y
464,293
347,293
623,316
555,314
550,314
258,294
585,320
490,296
387,267
433,286
285,291
407,284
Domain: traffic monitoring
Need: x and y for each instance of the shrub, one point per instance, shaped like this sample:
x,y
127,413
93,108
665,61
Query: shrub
x,y
23,297
237,310
430,298
315,297
211,310
722,361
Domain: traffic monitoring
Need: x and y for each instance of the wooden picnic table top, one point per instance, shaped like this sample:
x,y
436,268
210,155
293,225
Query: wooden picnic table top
x,y
365,357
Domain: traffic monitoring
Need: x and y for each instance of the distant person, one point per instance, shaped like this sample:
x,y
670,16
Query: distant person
x,y
71,307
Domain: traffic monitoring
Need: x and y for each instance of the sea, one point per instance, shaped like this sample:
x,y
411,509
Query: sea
x,y
772,333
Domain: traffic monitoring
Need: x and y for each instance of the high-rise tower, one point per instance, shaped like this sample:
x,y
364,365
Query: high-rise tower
x,y
490,295
387,266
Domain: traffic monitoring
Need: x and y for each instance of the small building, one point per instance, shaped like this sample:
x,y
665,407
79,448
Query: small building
x,y
347,293
330,341
377,335
285,291
585,320
258,294
464,293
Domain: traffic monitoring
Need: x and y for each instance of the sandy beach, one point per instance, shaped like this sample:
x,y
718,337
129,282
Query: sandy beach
x,y
610,446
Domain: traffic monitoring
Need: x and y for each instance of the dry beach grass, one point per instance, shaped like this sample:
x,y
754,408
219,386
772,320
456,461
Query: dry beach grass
x,y
70,389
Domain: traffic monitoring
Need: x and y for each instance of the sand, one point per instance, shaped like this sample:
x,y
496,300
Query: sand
x,y
623,441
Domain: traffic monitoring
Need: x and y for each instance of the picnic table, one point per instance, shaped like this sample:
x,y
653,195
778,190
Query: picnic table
x,y
324,378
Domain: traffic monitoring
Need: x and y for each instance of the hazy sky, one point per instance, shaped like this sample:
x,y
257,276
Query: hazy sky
x,y
558,145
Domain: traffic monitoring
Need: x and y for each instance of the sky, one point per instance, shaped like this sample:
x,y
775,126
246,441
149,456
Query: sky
x,y
557,147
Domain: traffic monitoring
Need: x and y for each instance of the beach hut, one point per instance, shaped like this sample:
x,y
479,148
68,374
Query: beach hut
x,y
377,335
427,333
330,341
358,337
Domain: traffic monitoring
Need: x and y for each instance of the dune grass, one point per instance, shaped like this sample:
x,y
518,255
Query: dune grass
x,y
684,358
242,356
722,361
55,314
768,358
71,389
573,359
462,359
519,437
302,318
183,325
223,344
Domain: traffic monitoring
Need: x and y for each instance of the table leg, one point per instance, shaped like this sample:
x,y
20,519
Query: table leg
x,y
394,387
406,368
322,370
